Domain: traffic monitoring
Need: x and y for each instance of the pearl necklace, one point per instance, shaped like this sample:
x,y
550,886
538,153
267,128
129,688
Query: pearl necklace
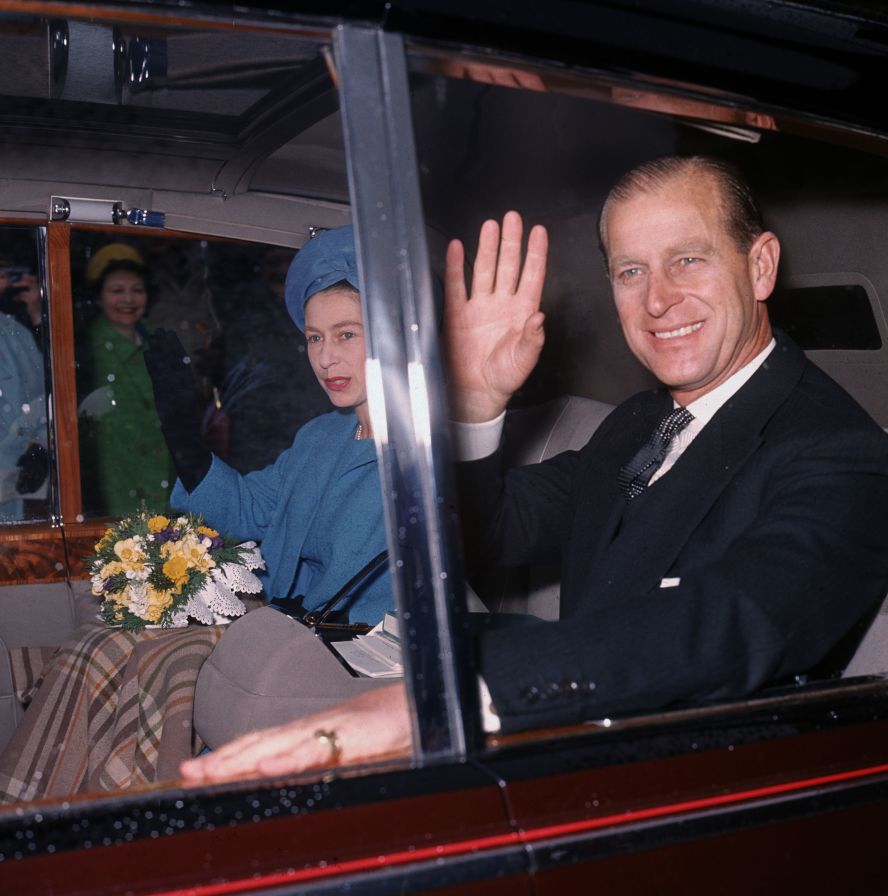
x,y
359,432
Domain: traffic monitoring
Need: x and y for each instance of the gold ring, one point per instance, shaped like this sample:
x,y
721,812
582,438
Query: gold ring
x,y
332,741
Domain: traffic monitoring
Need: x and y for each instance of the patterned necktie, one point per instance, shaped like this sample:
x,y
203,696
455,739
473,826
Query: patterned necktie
x,y
635,476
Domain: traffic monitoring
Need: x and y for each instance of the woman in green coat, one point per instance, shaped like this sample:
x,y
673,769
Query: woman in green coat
x,y
124,458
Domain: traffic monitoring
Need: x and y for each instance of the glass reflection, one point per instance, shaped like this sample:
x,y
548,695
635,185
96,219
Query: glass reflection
x,y
124,458
24,464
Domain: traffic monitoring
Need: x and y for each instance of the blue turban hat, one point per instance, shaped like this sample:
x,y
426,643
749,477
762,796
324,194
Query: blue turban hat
x,y
326,260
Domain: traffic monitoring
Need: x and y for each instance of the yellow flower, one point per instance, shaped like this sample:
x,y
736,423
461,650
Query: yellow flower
x,y
117,615
130,554
127,550
176,570
205,530
195,553
191,550
158,601
203,563
111,569
175,548
158,523
105,540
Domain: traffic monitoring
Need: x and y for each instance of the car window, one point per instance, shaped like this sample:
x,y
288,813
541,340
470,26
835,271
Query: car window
x,y
25,479
245,166
225,303
492,137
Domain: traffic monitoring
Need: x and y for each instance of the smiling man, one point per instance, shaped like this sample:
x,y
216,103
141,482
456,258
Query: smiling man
x,y
714,536
690,286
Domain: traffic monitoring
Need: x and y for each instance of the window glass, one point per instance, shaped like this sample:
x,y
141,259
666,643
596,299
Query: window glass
x,y
244,152
491,138
24,457
225,302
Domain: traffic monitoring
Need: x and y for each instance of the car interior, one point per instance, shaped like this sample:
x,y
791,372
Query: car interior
x,y
228,146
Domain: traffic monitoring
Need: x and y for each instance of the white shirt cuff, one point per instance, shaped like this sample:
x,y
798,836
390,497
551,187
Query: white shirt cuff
x,y
472,441
490,720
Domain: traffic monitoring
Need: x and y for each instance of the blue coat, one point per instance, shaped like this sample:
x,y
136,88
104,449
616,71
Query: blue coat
x,y
317,511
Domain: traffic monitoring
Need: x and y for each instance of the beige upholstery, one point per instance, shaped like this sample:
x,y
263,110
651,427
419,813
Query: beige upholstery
x,y
35,616
871,656
10,708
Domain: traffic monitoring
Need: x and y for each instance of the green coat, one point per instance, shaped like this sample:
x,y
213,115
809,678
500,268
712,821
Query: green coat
x,y
124,459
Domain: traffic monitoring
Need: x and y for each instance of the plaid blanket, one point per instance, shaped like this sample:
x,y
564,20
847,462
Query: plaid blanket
x,y
114,710
27,664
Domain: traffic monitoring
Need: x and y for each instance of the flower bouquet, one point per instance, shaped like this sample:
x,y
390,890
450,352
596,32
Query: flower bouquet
x,y
152,570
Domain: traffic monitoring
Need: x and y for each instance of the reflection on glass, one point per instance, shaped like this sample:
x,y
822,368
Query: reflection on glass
x,y
124,458
225,303
24,465
267,387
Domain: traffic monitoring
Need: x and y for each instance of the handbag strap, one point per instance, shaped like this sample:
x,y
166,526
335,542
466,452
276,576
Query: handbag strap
x,y
348,593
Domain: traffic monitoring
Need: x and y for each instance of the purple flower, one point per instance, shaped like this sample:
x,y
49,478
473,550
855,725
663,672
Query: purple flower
x,y
167,535
216,543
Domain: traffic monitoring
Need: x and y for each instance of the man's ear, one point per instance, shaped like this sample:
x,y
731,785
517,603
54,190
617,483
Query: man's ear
x,y
764,256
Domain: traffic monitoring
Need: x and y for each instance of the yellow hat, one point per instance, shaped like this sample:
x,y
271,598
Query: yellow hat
x,y
109,253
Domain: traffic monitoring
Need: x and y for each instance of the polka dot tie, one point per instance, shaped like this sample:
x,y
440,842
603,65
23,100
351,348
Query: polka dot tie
x,y
635,476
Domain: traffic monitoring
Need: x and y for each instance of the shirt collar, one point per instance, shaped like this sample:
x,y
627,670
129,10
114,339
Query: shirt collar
x,y
705,407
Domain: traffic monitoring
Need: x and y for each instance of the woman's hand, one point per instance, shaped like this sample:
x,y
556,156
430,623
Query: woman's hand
x,y
495,334
373,726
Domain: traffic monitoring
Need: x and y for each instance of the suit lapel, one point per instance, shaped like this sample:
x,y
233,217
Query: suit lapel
x,y
665,516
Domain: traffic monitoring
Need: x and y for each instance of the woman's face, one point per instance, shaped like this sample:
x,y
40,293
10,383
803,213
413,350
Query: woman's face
x,y
335,334
123,299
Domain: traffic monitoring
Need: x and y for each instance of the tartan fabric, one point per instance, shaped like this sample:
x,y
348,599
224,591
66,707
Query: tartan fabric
x,y
114,711
27,665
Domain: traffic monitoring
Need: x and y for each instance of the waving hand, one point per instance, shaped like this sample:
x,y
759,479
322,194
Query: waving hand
x,y
495,333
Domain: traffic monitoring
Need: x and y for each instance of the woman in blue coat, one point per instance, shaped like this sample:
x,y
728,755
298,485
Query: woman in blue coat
x,y
317,510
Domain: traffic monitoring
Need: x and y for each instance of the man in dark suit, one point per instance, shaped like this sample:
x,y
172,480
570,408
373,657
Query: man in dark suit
x,y
761,537
714,536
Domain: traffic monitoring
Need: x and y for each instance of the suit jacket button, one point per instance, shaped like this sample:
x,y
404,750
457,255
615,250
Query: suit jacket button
x,y
530,694
570,687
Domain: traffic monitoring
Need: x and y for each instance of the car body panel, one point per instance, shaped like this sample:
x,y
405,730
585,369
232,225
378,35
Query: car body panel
x,y
688,800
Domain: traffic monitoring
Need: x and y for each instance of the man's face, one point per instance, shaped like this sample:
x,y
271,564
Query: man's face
x,y
690,301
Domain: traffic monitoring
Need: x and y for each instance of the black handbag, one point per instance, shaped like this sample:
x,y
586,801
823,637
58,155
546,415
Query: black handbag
x,y
330,621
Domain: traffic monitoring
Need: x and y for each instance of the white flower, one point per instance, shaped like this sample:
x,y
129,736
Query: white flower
x,y
138,598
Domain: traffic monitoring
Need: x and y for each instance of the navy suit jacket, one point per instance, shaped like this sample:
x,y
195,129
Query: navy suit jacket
x,y
744,564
